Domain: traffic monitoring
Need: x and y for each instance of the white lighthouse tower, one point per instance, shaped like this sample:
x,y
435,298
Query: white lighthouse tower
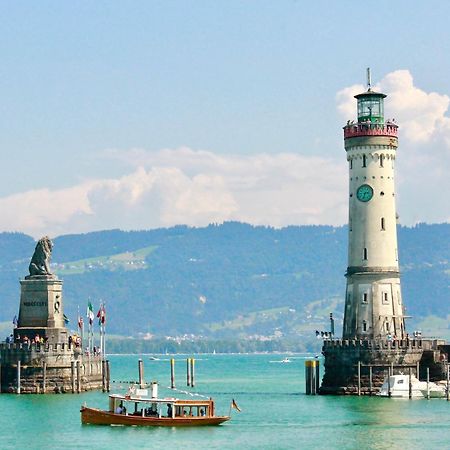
x,y
373,304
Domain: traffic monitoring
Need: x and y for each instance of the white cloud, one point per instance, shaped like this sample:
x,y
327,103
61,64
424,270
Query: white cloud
x,y
170,187
196,187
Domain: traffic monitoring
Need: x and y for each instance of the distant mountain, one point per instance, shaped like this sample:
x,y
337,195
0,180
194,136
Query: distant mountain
x,y
224,281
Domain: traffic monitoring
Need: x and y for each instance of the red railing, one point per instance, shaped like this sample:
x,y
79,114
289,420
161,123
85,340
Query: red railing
x,y
370,129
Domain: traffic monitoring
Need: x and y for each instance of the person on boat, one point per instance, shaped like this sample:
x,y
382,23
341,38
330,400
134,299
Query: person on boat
x,y
202,412
169,410
119,409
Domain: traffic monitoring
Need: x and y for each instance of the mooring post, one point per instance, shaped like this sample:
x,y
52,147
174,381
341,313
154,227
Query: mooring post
x,y
448,380
44,376
78,376
410,384
108,375
359,377
103,376
389,382
313,377
188,372
311,381
141,373
172,373
317,387
307,378
428,383
18,376
370,380
72,373
192,372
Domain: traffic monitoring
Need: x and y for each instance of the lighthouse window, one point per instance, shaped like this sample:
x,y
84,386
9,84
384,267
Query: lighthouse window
x,y
381,160
365,297
364,325
382,224
364,161
365,254
351,164
387,327
385,298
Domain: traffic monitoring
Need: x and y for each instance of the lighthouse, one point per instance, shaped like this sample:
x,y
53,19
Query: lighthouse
x,y
374,341
373,300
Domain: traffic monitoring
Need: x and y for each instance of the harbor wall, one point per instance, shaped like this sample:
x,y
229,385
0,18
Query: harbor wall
x,y
359,367
48,368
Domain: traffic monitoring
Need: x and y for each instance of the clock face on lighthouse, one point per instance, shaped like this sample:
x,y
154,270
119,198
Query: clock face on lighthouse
x,y
364,193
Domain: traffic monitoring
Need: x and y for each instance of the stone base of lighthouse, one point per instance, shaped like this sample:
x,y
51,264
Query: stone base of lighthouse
x,y
359,367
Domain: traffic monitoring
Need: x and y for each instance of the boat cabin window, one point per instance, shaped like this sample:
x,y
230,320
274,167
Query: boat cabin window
x,y
400,381
191,411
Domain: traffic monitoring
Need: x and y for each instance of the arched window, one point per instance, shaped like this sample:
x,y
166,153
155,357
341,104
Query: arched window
x,y
351,163
364,161
364,326
365,254
381,160
382,224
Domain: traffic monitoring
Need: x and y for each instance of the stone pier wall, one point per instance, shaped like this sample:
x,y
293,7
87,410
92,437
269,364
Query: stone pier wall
x,y
342,357
48,368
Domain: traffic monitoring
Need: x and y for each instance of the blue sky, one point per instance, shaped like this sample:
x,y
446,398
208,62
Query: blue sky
x,y
139,94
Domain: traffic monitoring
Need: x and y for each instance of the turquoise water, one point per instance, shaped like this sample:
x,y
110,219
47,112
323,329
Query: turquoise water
x,y
275,413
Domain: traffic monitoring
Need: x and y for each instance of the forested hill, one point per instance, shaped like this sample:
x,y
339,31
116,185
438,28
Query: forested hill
x,y
230,280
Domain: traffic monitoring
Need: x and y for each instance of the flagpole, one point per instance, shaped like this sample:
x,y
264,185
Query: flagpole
x,y
104,331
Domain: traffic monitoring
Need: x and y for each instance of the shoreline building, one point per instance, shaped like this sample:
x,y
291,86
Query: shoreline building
x,y
41,358
375,340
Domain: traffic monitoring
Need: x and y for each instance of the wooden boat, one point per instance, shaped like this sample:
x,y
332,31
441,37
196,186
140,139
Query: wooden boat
x,y
136,408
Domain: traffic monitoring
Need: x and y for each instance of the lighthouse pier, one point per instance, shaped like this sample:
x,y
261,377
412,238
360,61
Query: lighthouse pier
x,y
359,367
375,340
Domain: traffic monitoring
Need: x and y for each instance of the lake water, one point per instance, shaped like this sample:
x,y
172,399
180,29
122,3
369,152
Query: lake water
x,y
275,412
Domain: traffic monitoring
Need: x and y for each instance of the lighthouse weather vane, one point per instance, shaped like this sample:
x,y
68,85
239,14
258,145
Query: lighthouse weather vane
x,y
369,81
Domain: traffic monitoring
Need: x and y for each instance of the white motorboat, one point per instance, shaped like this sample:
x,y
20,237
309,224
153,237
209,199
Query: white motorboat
x,y
399,388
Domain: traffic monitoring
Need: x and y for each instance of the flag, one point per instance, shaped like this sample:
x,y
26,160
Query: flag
x,y
101,315
90,313
235,406
80,322
15,321
66,319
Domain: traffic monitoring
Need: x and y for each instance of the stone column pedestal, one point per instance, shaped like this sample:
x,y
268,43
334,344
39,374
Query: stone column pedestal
x,y
41,309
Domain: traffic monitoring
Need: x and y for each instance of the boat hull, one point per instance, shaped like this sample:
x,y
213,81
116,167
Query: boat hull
x,y
96,416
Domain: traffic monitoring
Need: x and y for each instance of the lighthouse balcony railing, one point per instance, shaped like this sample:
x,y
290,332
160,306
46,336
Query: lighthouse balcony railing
x,y
370,129
378,343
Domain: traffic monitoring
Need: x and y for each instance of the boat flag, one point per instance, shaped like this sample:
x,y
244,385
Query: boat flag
x,y
90,313
80,322
235,406
66,319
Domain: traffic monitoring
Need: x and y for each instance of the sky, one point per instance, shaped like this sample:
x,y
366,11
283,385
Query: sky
x,y
146,114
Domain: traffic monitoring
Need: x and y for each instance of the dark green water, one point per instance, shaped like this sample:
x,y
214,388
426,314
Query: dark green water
x,y
275,413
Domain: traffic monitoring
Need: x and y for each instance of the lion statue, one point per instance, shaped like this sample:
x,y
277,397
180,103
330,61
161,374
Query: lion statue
x,y
40,261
